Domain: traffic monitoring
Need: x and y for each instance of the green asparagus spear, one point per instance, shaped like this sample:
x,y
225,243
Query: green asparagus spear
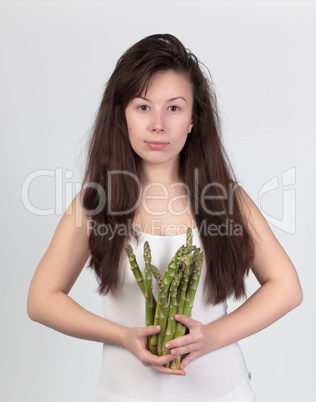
x,y
173,267
135,268
171,325
189,237
188,304
150,298
183,290
161,314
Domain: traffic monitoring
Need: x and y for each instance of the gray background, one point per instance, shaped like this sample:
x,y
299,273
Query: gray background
x,y
56,57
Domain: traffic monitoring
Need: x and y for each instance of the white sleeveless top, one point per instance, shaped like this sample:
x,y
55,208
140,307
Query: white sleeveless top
x,y
123,378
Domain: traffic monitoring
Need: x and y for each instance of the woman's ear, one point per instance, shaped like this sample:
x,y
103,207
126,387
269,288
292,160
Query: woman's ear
x,y
190,127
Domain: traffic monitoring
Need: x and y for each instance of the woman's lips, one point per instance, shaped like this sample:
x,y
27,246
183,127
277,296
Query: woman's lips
x,y
156,144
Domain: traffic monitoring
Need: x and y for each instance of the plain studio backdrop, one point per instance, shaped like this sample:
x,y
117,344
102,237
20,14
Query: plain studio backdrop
x,y
56,57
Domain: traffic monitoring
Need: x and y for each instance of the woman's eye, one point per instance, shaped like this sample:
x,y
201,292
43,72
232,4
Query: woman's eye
x,y
143,108
174,108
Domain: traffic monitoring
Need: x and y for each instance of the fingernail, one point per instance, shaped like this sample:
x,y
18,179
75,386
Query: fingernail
x,y
174,352
168,345
157,327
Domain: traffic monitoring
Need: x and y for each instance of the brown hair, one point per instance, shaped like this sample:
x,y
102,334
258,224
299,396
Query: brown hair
x,y
204,167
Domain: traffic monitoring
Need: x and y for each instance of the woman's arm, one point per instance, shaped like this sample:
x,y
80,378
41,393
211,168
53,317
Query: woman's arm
x,y
48,300
49,303
280,292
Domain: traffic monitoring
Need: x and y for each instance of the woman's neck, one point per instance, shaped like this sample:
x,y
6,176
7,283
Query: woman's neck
x,y
162,174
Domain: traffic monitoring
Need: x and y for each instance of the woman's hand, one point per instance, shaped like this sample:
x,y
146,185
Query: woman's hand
x,y
194,344
135,341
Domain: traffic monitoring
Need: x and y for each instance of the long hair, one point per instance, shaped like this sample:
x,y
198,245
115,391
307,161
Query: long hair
x,y
204,167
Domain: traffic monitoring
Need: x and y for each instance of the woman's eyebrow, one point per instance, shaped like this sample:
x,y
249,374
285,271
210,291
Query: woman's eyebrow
x,y
177,97
169,100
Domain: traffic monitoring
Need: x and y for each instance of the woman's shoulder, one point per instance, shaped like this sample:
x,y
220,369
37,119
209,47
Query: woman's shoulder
x,y
80,217
72,232
253,217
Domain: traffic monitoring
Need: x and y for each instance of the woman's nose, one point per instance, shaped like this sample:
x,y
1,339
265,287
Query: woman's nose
x,y
158,124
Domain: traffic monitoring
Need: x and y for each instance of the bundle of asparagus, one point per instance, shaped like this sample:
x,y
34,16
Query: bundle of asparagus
x,y
177,289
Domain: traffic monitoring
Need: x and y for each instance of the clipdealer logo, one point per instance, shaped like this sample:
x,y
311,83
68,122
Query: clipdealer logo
x,y
64,193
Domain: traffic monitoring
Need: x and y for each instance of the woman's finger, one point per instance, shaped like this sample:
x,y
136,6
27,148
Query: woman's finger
x,y
182,350
187,321
159,361
166,370
150,330
181,341
188,359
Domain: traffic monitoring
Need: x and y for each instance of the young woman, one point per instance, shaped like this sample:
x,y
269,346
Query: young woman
x,y
156,166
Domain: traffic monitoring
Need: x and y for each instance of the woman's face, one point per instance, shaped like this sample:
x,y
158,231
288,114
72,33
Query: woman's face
x,y
158,123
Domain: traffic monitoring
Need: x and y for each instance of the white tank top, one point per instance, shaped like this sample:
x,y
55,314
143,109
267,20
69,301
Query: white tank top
x,y
123,378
